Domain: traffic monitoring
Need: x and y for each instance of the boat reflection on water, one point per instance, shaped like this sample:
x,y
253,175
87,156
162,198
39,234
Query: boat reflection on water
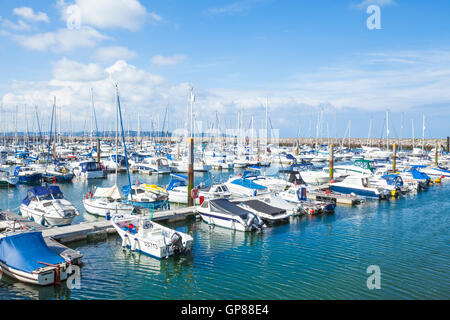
x,y
214,238
34,292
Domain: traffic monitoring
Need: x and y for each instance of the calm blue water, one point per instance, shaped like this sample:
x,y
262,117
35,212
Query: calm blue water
x,y
323,257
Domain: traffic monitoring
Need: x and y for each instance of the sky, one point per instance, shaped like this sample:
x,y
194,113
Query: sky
x,y
309,60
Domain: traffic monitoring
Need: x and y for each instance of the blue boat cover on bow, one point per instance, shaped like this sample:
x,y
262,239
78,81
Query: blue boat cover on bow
x,y
24,251
40,191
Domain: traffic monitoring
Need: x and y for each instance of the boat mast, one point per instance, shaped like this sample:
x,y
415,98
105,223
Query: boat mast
x,y
387,131
412,128
117,135
123,139
370,133
423,133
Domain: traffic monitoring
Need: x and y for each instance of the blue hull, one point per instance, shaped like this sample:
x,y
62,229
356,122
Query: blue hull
x,y
149,205
358,192
60,178
35,178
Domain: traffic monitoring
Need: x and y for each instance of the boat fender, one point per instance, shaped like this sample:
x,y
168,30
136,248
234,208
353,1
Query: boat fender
x,y
133,248
124,240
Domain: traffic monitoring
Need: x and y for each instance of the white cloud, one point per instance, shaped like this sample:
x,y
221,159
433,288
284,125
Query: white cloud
x,y
168,60
29,14
391,85
19,26
126,14
62,40
113,53
68,70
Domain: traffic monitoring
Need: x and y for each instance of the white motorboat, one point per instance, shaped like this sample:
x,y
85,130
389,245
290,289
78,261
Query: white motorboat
x,y
271,183
266,212
223,213
279,202
242,187
88,170
360,186
178,191
142,234
297,195
46,205
153,166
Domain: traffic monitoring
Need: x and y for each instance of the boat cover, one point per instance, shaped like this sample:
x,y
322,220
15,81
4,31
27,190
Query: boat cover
x,y
225,206
112,192
24,251
248,184
263,207
419,175
40,191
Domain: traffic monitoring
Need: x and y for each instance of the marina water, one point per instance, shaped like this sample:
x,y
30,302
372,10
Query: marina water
x,y
317,257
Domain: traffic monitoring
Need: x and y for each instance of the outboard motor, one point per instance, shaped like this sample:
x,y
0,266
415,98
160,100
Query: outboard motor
x,y
177,243
250,219
254,222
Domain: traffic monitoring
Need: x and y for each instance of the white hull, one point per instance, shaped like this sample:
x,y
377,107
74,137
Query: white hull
x,y
95,208
44,278
229,224
153,244
41,218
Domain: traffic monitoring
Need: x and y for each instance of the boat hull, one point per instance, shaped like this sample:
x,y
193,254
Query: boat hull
x,y
95,209
45,220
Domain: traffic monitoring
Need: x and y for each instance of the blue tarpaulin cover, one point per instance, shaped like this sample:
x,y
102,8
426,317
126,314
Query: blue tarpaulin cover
x,y
23,251
40,191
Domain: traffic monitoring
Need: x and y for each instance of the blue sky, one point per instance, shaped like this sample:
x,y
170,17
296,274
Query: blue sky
x,y
304,56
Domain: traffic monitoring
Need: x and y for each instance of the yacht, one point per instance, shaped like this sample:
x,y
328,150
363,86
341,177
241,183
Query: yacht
x,y
106,202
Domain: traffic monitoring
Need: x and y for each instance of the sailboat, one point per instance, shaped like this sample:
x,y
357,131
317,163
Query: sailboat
x,y
106,202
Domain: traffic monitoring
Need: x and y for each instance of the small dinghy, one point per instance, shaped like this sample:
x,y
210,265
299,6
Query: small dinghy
x,y
266,212
142,234
26,257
